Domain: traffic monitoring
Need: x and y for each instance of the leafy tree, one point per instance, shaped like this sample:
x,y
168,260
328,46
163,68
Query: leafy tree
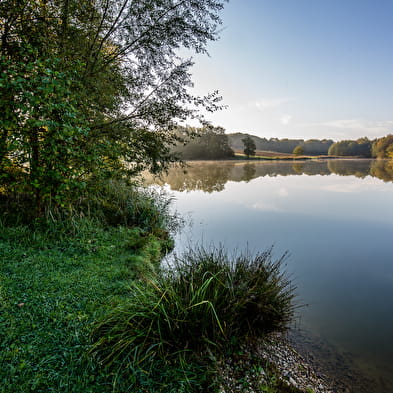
x,y
360,147
298,150
317,146
93,86
249,146
383,147
207,143
43,142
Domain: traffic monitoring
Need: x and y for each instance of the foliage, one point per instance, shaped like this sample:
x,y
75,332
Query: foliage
x,y
298,150
208,143
200,305
95,87
249,146
311,146
383,147
43,151
316,146
360,147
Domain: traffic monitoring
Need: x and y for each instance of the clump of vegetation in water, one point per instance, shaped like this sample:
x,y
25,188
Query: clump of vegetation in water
x,y
187,316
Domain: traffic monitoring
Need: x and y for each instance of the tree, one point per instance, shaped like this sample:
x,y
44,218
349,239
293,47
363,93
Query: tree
x,y
93,86
360,147
207,143
298,150
316,146
249,146
383,147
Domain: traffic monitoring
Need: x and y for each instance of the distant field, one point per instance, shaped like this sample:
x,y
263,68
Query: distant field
x,y
282,156
268,154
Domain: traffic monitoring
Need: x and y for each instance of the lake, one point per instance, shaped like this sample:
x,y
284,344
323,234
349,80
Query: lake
x,y
334,217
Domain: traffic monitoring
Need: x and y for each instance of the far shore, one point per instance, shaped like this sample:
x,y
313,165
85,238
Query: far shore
x,y
280,158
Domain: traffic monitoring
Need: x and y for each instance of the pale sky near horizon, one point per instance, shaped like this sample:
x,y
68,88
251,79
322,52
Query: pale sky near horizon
x,y
302,68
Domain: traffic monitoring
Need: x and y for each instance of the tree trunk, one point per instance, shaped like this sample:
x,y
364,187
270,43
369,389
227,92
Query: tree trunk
x,y
34,169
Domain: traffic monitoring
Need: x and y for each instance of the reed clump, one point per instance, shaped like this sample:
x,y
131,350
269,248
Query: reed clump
x,y
195,310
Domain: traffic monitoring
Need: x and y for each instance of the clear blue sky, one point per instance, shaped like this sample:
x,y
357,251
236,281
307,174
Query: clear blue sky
x,y
303,68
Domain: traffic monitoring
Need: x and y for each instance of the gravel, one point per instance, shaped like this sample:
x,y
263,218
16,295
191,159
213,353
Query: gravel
x,y
242,372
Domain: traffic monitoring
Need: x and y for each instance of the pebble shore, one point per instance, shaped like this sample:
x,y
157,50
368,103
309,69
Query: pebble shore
x,y
293,367
290,366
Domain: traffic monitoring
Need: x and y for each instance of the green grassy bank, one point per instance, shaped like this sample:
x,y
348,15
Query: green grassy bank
x,y
86,307
52,289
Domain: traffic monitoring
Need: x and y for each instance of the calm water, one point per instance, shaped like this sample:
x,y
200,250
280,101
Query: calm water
x,y
335,217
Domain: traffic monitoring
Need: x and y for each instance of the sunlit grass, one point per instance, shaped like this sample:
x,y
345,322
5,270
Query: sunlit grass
x,y
51,292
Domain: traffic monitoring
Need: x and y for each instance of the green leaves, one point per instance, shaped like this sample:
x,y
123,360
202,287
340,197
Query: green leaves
x,y
97,93
43,132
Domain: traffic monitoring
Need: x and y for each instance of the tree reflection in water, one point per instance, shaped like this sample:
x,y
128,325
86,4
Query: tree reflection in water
x,y
211,176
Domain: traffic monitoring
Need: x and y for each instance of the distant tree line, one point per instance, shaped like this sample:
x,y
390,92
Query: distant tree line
x,y
211,143
309,147
362,147
206,143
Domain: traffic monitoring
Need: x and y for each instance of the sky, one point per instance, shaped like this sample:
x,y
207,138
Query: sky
x,y
302,68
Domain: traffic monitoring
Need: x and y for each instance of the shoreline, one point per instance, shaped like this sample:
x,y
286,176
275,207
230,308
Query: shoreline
x,y
338,368
299,360
278,353
301,158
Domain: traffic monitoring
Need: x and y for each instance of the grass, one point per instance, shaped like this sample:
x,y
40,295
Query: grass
x,y
193,313
272,155
51,291
84,306
62,272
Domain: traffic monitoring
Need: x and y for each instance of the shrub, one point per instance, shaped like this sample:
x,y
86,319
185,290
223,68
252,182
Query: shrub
x,y
201,304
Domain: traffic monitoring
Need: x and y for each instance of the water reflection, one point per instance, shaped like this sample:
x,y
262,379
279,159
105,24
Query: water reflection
x,y
211,176
336,219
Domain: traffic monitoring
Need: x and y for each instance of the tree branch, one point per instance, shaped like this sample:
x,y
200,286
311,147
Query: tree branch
x,y
124,50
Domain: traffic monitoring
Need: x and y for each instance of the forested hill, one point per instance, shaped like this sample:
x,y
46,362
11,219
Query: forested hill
x,y
310,147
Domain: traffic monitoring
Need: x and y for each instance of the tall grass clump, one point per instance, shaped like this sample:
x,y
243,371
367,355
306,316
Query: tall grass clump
x,y
196,309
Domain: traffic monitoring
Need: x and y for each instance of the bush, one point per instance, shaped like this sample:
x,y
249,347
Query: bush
x,y
203,303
